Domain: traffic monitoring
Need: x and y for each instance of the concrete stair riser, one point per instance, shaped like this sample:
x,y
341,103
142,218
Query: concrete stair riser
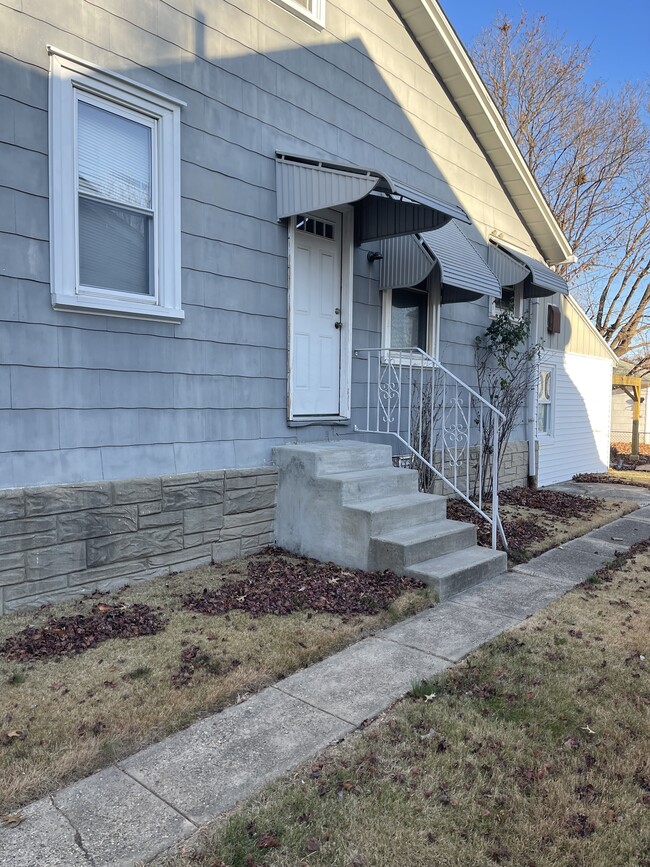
x,y
367,484
453,573
318,459
402,548
381,515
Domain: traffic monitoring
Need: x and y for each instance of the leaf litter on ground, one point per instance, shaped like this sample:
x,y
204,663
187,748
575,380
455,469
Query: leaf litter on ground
x,y
525,514
276,585
68,636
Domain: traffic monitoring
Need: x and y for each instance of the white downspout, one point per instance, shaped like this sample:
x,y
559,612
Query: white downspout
x,y
532,395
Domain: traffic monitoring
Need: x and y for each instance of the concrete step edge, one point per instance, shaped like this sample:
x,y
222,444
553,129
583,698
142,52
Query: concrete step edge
x,y
417,533
386,502
447,565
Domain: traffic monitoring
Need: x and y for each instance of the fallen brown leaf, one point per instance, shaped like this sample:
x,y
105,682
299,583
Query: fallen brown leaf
x,y
12,819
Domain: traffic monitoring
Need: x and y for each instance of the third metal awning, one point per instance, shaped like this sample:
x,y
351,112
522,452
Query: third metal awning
x,y
512,266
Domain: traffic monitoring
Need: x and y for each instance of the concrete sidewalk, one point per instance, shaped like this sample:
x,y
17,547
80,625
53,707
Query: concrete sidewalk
x,y
131,812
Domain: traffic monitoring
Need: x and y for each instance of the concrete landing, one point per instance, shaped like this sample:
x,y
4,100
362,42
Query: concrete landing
x,y
130,813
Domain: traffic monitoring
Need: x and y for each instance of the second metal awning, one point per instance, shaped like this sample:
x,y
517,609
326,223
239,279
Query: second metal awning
x,y
383,208
511,266
464,276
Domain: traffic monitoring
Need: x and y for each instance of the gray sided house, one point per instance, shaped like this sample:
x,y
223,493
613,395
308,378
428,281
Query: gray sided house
x,y
194,201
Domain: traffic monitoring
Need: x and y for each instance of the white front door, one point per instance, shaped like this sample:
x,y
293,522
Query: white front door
x,y
316,315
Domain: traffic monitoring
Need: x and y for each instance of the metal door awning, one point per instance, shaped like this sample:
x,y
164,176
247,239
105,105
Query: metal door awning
x,y
464,276
383,208
512,266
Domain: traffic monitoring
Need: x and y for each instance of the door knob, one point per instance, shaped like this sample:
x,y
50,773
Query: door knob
x,y
338,325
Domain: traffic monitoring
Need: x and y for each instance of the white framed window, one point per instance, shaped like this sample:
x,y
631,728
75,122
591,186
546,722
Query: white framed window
x,y
114,193
411,319
511,301
312,11
545,390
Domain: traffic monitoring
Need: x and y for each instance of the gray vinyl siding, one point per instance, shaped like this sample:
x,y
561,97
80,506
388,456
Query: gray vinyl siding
x,y
85,397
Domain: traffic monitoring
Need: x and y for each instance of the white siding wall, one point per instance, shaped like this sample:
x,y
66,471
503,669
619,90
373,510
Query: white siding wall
x,y
581,403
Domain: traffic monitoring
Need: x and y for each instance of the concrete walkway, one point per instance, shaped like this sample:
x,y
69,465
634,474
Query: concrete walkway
x,y
137,809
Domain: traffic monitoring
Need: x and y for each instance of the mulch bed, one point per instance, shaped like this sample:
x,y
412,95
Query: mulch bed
x,y
520,532
68,636
553,502
523,532
277,586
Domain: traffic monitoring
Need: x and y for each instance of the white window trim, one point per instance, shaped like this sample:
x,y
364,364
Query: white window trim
x,y
315,17
518,305
72,78
433,323
550,433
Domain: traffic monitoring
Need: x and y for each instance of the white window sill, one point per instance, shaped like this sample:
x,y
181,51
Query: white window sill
x,y
116,308
303,421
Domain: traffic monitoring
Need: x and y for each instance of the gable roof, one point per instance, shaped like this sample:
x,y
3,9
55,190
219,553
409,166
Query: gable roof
x,y
446,54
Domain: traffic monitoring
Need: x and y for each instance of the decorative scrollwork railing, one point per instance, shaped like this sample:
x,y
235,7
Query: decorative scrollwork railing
x,y
450,431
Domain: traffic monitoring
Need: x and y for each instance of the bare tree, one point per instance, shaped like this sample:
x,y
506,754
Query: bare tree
x,y
589,149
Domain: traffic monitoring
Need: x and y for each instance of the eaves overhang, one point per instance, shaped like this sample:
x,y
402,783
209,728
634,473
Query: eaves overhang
x,y
445,52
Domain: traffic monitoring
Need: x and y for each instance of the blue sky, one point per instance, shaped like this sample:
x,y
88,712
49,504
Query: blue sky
x,y
620,31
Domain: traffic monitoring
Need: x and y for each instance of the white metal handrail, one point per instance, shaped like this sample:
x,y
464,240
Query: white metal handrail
x,y
447,427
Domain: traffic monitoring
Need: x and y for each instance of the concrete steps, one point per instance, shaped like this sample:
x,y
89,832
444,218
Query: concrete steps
x,y
383,514
405,546
455,572
345,502
369,483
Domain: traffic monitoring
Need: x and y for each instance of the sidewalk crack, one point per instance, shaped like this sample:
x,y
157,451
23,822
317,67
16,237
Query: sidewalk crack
x,y
77,835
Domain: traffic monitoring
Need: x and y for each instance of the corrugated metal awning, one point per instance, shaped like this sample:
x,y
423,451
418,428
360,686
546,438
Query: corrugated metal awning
x,y
383,208
507,270
539,280
405,262
464,276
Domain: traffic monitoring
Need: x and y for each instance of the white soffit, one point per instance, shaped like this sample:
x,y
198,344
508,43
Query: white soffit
x,y
445,52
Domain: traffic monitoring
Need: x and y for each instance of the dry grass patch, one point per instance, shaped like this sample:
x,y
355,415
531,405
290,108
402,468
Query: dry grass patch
x,y
64,717
531,753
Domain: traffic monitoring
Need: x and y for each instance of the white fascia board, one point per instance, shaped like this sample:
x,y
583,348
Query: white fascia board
x,y
445,52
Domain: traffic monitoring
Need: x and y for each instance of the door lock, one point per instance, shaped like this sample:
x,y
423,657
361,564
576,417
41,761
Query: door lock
x,y
337,310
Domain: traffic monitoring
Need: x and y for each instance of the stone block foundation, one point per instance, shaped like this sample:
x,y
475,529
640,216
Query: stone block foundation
x,y
62,541
513,471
